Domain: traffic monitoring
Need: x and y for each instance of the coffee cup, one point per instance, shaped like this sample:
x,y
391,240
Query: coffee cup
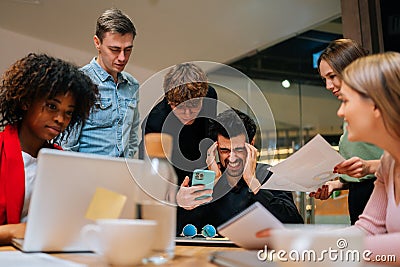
x,y
120,241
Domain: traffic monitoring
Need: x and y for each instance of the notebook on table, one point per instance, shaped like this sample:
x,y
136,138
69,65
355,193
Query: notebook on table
x,y
65,187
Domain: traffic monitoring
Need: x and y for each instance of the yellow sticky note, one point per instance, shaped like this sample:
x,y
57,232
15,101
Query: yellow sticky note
x,y
105,204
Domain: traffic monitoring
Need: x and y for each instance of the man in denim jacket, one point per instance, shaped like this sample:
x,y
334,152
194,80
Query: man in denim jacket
x,y
112,127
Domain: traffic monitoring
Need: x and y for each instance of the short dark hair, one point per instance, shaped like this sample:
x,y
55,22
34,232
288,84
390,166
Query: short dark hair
x,y
232,123
114,20
39,75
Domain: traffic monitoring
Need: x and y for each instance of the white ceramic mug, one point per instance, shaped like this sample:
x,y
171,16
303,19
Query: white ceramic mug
x,y
120,241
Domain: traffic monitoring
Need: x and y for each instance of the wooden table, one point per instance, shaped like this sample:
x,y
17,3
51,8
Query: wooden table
x,y
185,256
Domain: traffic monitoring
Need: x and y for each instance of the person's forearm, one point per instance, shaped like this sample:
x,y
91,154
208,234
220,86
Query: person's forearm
x,y
10,231
340,185
373,165
5,235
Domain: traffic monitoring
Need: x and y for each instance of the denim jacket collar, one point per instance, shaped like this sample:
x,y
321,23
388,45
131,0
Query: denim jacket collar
x,y
104,75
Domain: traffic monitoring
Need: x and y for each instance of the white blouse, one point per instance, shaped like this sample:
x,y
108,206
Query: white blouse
x,y
30,164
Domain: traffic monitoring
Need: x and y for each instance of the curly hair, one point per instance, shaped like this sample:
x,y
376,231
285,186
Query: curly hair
x,y
39,76
232,123
184,82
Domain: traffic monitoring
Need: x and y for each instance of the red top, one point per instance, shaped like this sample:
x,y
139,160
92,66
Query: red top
x,y
12,176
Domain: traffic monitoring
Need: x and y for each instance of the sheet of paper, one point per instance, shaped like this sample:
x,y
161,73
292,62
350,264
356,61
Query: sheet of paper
x,y
18,259
242,228
105,204
307,169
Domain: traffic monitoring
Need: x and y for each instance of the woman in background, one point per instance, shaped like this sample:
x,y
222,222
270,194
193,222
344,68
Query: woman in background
x,y
362,159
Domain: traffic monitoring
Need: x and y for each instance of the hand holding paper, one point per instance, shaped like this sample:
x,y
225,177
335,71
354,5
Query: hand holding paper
x,y
307,169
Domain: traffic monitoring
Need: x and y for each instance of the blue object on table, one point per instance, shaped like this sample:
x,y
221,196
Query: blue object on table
x,y
191,231
208,231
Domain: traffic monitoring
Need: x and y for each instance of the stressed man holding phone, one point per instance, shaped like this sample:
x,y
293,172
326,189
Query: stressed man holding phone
x,y
238,176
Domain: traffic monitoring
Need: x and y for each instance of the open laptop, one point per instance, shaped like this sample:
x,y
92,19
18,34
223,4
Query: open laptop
x,y
64,188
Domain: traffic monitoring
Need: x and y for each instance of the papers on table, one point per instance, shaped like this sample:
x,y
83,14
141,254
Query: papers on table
x,y
20,259
307,169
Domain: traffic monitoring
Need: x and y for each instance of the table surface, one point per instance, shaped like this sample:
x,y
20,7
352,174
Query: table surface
x,y
185,256
190,256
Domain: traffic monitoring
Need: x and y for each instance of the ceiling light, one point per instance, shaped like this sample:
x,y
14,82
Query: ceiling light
x,y
285,84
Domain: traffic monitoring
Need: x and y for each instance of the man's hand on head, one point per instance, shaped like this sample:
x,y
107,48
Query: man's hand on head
x,y
249,172
211,160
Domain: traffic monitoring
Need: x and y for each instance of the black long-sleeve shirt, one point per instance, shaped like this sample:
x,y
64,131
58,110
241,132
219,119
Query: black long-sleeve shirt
x,y
229,201
190,142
